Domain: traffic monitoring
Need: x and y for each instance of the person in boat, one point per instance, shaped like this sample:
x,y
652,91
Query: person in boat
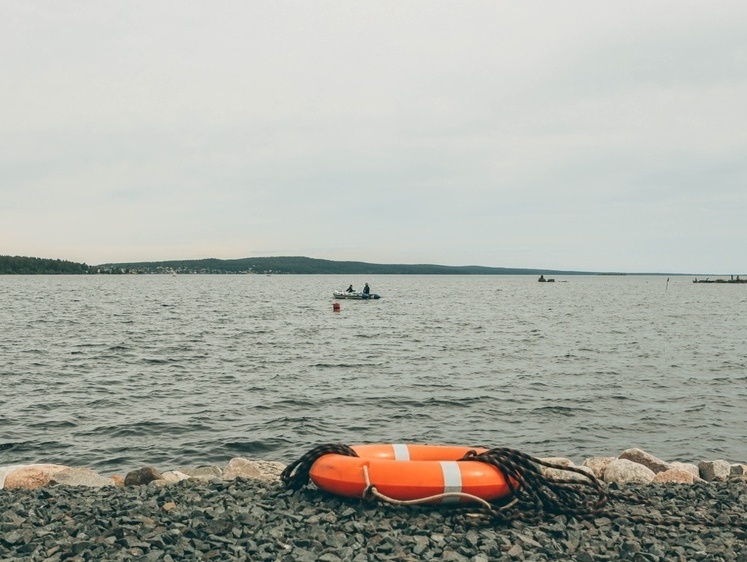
x,y
542,278
366,289
350,289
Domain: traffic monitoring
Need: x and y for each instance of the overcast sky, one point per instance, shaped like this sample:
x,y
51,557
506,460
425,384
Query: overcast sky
x,y
587,135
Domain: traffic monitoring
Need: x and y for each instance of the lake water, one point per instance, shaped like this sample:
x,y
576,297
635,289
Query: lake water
x,y
119,372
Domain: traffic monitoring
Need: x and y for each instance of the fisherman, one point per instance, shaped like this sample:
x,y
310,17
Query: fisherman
x,y
350,289
366,289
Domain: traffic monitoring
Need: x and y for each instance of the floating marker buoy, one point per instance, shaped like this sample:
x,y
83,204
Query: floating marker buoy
x,y
336,307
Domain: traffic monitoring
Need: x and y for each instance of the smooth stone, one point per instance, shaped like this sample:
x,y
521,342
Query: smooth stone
x,y
560,461
560,474
674,475
624,471
144,475
646,459
598,465
690,467
32,476
714,471
173,476
5,470
266,471
211,472
79,476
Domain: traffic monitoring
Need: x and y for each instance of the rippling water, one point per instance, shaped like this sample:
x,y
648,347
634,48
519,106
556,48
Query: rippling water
x,y
116,372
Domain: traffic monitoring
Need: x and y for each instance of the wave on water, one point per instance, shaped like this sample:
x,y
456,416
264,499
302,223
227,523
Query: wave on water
x,y
8,445
560,410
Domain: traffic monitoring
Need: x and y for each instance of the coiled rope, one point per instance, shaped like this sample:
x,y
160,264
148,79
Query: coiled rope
x,y
296,475
533,494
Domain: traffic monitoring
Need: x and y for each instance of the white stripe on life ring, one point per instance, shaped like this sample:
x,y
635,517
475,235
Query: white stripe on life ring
x,y
452,479
401,452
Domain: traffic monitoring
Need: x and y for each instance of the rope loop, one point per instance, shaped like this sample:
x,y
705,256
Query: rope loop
x,y
469,455
296,475
371,491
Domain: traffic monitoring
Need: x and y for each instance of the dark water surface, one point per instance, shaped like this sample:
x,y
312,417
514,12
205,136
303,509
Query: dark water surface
x,y
118,372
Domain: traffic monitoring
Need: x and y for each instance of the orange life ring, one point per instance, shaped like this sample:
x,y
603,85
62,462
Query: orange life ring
x,y
409,472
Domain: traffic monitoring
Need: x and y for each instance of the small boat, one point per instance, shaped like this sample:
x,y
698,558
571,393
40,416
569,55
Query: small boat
x,y
355,295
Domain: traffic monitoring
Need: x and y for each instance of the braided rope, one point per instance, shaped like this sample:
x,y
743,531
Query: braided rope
x,y
296,475
536,494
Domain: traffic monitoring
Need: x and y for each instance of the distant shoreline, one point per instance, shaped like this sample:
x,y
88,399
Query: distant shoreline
x,y
18,265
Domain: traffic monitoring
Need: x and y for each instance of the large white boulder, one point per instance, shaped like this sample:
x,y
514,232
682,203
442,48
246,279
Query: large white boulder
x,y
624,471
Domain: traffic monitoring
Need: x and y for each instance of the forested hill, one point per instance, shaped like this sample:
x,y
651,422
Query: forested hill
x,y
18,265
274,265
303,265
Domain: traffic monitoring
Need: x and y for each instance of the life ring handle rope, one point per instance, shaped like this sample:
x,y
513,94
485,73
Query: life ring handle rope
x,y
372,491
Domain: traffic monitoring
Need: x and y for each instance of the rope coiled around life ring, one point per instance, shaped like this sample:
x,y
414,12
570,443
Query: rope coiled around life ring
x,y
533,494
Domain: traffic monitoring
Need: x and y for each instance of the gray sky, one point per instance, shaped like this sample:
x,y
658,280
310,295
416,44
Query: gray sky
x,y
590,135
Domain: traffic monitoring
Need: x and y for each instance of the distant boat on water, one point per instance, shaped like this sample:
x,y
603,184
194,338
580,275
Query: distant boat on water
x,y
354,295
730,280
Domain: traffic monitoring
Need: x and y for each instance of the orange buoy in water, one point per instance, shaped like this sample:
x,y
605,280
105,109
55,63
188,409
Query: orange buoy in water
x,y
336,307
410,472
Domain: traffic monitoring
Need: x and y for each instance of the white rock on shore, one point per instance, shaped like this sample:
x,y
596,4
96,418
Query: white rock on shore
x,y
715,470
30,476
625,471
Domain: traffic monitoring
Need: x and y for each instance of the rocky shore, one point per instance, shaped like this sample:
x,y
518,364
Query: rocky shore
x,y
243,512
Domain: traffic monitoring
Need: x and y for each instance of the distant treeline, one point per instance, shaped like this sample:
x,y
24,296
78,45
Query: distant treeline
x,y
273,265
18,265
310,266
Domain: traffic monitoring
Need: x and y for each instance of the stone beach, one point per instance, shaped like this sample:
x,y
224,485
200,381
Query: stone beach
x,y
656,511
